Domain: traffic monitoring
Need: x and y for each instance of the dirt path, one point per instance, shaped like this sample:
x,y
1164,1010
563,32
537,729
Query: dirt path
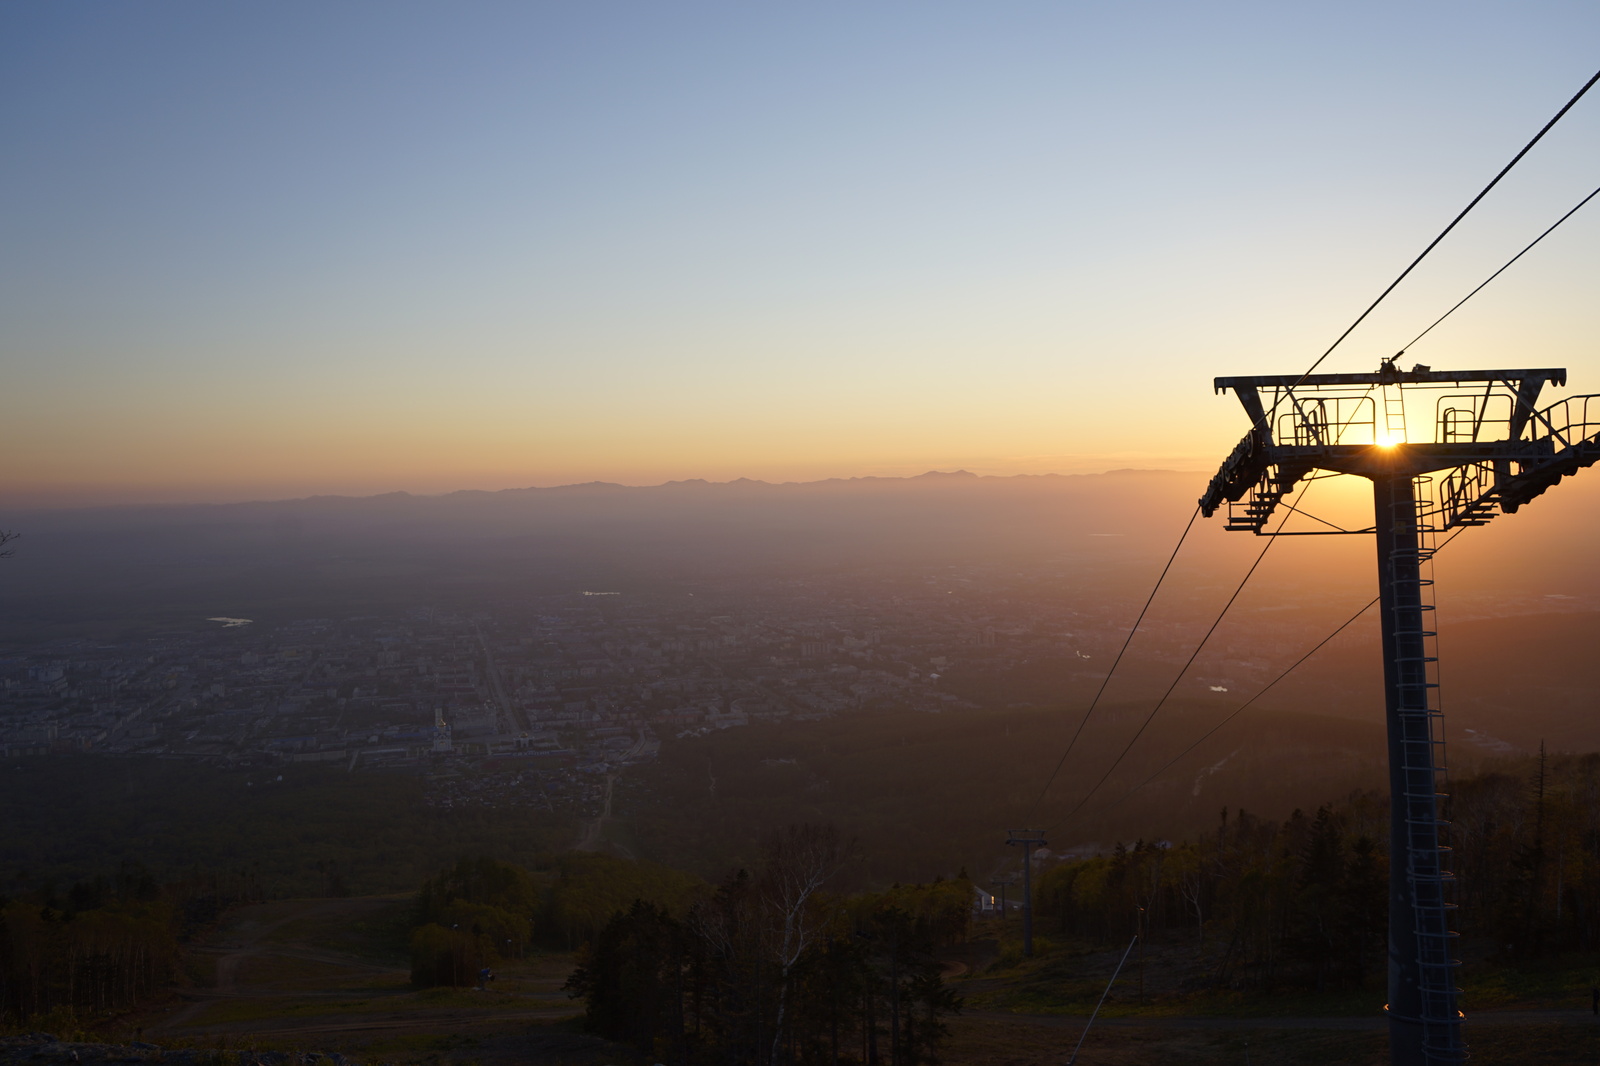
x,y
283,975
1342,1022
245,939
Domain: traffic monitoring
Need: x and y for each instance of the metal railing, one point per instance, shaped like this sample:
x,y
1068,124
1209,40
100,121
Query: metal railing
x,y
1570,423
1460,417
1328,420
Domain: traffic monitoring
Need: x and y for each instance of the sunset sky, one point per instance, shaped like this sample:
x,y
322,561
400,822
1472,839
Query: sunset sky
x,y
260,250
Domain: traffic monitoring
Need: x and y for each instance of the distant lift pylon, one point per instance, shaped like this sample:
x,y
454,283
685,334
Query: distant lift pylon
x,y
1491,449
1027,840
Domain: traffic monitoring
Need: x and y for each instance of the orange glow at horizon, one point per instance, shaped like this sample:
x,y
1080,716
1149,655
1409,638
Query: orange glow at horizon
x,y
546,245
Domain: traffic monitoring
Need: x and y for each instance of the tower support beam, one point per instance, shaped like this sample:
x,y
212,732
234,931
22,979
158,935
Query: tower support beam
x,y
1491,452
1424,1022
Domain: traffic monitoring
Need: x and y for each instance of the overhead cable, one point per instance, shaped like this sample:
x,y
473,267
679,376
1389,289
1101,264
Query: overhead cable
x,y
1272,539
1107,679
1502,270
1309,370
1202,738
1453,222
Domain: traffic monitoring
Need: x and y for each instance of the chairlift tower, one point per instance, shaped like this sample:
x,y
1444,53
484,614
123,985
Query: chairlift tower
x,y
1003,883
1027,840
1492,449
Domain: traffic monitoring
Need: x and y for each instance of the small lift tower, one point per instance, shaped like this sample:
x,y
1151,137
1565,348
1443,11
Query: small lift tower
x,y
1492,449
1027,840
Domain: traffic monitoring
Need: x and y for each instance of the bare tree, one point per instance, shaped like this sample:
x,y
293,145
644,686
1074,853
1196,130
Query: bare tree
x,y
796,861
1193,878
6,537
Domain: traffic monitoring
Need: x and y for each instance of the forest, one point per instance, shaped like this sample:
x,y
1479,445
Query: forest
x,y
1303,901
752,969
104,944
768,965
804,952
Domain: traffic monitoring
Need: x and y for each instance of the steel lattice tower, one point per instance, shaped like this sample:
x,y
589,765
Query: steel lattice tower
x,y
1492,450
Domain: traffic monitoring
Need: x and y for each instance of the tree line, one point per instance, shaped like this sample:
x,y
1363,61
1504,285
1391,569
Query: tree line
x,y
770,969
101,945
482,911
1303,901
765,967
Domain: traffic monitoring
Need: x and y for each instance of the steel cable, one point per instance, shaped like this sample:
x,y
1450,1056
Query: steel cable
x,y
1107,679
1453,222
1176,681
1311,369
1202,738
1497,273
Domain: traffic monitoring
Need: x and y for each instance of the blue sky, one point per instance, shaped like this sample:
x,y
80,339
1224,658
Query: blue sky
x,y
261,250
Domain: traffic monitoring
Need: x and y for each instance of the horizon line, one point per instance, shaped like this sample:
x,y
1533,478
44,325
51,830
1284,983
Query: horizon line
x,y
595,484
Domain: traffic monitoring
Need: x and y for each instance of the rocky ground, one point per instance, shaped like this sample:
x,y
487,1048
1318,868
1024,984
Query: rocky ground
x,y
44,1049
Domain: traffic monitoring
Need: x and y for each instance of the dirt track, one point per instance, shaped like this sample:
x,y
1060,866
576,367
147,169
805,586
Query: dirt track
x,y
283,976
